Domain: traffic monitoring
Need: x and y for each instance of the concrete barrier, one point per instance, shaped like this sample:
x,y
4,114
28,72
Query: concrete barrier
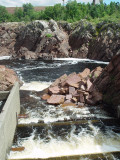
x,y
4,95
8,120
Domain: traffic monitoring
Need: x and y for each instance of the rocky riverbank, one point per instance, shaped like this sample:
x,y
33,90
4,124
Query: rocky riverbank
x,y
49,39
7,78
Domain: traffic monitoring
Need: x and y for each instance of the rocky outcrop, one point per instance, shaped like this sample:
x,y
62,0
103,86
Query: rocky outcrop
x,y
7,78
49,39
100,42
108,83
42,37
75,89
8,35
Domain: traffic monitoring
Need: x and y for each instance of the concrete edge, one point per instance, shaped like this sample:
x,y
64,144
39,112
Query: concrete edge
x,y
8,121
4,95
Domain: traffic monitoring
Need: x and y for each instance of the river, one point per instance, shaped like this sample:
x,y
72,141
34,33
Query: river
x,y
51,131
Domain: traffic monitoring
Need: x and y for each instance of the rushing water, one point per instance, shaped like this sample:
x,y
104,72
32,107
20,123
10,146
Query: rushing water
x,y
53,131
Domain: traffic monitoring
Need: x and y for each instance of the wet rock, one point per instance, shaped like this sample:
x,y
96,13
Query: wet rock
x,y
24,53
108,83
60,81
7,78
89,84
95,73
64,90
54,90
56,99
72,90
90,101
73,79
81,105
74,99
77,88
68,105
85,73
68,96
82,100
45,96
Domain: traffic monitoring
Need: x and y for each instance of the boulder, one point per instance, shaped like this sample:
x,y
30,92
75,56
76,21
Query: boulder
x,y
59,81
72,90
7,78
24,53
72,80
45,96
54,90
85,73
56,99
68,96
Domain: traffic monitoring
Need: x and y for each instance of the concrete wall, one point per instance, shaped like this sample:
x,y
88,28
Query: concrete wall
x,y
8,121
4,95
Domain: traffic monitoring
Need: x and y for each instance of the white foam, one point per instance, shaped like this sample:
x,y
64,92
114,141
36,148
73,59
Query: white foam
x,y
83,143
4,57
80,60
50,113
35,85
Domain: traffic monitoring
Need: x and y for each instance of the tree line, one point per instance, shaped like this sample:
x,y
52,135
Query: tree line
x,y
72,12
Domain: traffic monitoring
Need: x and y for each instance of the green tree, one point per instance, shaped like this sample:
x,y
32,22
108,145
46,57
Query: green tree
x,y
28,9
18,13
3,14
72,9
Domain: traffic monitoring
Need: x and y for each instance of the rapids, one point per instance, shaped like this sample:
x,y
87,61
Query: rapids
x,y
52,131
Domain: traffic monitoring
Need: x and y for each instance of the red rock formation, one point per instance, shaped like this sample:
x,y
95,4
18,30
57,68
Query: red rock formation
x,y
7,78
74,89
108,83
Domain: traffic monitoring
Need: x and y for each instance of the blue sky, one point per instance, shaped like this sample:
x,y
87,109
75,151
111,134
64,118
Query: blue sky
x,y
18,3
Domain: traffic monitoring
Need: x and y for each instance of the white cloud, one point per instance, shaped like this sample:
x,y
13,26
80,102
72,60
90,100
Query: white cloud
x,y
14,3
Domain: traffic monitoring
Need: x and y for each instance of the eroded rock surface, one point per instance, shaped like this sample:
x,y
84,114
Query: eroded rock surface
x,y
100,42
49,39
108,83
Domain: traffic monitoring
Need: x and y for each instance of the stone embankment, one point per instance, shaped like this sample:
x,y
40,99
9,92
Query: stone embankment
x,y
47,39
7,78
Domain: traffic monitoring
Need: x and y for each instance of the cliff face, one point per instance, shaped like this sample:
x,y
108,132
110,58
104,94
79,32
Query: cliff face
x,y
41,38
100,42
108,83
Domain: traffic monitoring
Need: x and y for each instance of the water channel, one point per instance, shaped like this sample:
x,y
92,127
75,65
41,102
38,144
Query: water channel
x,y
52,132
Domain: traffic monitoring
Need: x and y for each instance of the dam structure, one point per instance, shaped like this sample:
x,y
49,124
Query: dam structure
x,y
49,132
